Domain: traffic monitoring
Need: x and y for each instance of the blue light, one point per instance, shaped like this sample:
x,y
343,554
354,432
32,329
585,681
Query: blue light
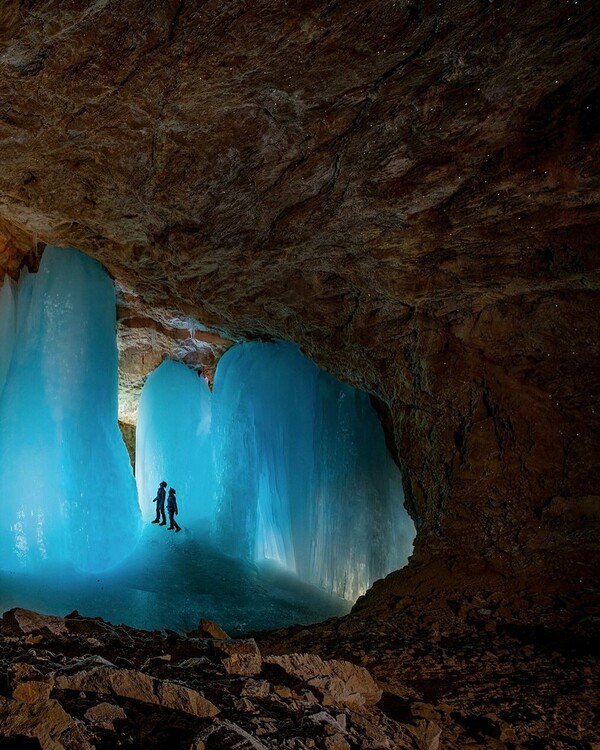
x,y
70,494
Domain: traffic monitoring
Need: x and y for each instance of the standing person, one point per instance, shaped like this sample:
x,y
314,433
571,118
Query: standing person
x,y
160,504
172,510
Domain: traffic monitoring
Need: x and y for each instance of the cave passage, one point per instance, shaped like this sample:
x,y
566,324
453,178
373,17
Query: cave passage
x,y
282,473
283,463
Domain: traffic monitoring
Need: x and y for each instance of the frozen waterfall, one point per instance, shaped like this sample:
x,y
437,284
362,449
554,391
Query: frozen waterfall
x,y
173,442
304,477
70,495
8,322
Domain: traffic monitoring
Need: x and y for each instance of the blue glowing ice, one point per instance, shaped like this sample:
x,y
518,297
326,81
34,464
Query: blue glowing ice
x,y
8,322
173,442
304,477
71,495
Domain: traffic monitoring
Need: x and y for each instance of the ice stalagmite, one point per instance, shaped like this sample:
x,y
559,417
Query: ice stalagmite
x,y
173,442
70,495
304,477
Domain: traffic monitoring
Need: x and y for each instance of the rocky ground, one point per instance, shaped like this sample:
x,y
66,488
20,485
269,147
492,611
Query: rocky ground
x,y
490,669
80,683
461,677
408,191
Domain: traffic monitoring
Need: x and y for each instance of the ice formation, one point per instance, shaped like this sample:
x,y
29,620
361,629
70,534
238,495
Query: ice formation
x,y
304,477
69,493
173,442
8,322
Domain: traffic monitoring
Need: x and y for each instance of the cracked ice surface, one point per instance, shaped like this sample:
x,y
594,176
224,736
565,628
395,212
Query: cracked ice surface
x,y
71,493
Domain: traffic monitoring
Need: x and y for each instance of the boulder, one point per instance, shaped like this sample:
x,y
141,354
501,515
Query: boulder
x,y
240,657
339,682
210,629
29,685
104,715
135,685
22,622
46,721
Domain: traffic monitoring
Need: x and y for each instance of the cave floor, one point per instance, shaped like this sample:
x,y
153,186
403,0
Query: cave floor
x,y
465,667
171,581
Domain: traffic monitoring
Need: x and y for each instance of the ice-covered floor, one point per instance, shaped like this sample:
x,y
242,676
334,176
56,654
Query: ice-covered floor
x,y
172,581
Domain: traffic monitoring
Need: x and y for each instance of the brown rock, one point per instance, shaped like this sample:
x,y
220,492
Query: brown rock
x,y
428,735
156,661
126,683
182,698
32,691
104,715
210,629
340,682
22,622
29,684
335,742
129,683
44,720
256,689
240,657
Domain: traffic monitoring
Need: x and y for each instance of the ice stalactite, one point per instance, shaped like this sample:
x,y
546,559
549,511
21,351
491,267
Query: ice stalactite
x,y
70,493
304,477
173,442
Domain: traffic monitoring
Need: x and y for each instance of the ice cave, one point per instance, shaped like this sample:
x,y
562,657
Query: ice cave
x,y
283,478
286,199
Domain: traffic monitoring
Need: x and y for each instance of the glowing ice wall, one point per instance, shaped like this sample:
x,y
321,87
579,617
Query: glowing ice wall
x,y
303,473
8,322
173,442
263,396
70,495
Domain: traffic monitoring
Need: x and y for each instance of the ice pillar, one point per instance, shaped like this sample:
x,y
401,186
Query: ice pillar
x,y
263,396
304,477
173,442
8,322
70,494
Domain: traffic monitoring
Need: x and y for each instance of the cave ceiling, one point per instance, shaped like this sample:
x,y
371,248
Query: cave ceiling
x,y
406,189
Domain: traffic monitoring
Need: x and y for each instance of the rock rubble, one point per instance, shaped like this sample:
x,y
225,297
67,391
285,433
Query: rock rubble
x,y
79,683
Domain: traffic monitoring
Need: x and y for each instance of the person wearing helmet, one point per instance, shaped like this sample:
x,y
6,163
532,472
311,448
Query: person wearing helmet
x,y
172,510
160,504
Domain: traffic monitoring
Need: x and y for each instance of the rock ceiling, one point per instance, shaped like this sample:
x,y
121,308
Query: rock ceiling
x,y
406,189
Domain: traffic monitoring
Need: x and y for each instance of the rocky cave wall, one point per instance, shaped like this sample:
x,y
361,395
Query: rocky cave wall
x,y
407,190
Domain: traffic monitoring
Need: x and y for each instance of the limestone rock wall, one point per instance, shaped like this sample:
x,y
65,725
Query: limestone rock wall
x,y
408,190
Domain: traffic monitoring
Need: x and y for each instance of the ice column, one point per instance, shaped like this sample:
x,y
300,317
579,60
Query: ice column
x,y
8,314
70,492
303,474
173,442
263,396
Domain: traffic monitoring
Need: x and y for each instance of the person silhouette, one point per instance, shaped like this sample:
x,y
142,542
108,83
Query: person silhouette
x,y
160,504
172,510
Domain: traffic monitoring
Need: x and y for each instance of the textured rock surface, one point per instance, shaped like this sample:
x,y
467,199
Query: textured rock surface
x,y
117,690
405,189
449,680
340,682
